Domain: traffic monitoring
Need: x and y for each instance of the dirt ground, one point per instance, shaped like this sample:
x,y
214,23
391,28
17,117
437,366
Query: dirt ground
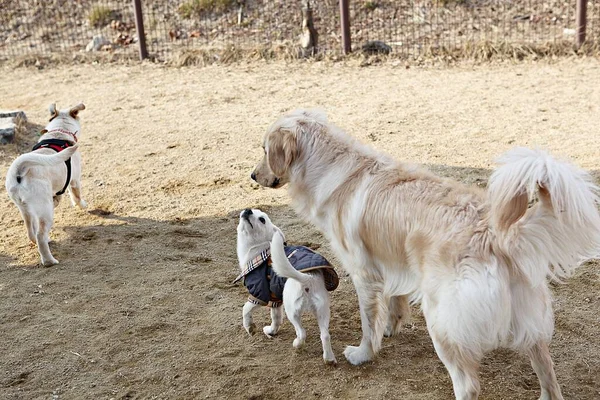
x,y
141,305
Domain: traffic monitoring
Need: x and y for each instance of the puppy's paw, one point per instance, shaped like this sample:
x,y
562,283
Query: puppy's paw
x,y
251,329
268,330
357,355
83,204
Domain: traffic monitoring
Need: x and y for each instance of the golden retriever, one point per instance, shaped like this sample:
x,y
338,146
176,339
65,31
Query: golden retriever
x,y
477,261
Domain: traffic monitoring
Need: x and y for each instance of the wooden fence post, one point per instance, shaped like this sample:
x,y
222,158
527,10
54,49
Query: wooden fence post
x,y
139,26
581,22
345,25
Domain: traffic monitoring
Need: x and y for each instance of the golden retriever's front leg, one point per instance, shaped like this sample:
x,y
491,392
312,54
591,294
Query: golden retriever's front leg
x,y
399,311
373,317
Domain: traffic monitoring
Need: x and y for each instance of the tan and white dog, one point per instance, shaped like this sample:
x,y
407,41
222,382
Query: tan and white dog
x,y
477,260
266,270
35,181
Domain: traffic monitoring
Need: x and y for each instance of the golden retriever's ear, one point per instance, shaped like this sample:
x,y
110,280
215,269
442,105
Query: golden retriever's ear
x,y
53,111
74,111
281,151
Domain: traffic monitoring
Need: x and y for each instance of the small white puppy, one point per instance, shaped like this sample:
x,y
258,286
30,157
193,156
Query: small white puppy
x,y
271,274
36,180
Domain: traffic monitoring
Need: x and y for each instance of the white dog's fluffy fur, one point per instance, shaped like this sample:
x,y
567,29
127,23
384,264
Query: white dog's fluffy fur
x,y
478,261
34,178
302,291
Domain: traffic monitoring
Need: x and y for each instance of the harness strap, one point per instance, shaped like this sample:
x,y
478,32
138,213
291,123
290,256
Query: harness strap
x,y
57,145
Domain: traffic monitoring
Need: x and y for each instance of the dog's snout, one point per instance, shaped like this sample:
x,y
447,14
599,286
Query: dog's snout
x,y
253,176
247,212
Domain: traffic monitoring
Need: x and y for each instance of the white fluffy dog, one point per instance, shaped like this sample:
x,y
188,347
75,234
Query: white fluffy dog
x,y
478,261
36,180
271,279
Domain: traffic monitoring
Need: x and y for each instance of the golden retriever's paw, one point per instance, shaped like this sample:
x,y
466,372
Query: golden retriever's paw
x,y
357,355
83,204
251,329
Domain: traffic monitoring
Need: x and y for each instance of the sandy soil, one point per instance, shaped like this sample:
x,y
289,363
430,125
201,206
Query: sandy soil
x,y
141,305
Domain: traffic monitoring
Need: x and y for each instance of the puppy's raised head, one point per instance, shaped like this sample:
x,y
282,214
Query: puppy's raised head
x,y
281,146
66,119
255,227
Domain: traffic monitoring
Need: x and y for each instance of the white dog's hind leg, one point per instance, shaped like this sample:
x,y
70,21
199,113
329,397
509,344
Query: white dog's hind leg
x,y
30,225
75,193
544,369
42,238
247,321
276,321
373,319
322,311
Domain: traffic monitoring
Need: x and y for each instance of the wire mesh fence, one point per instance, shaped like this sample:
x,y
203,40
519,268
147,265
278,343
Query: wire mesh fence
x,y
409,27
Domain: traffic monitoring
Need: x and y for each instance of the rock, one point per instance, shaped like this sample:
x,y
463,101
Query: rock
x,y
12,114
7,130
97,43
8,124
376,47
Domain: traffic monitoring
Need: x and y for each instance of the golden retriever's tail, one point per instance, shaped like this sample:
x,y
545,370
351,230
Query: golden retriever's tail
x,y
554,236
281,264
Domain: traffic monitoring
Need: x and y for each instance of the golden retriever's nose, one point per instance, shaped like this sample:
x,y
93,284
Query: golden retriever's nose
x,y
247,212
253,176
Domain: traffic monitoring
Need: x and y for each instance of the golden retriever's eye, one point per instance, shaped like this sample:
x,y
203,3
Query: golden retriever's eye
x,y
261,219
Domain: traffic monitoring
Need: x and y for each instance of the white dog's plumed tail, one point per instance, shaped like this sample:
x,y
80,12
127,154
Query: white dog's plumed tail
x,y
555,236
281,264
25,161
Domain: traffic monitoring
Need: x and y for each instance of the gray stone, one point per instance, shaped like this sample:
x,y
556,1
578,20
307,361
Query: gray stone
x,y
7,130
8,125
97,43
12,114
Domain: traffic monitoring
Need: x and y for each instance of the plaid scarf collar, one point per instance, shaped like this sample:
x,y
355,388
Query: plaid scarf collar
x,y
254,263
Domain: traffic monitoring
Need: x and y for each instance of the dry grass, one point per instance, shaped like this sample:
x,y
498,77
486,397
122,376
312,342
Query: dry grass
x,y
472,52
100,16
479,52
196,8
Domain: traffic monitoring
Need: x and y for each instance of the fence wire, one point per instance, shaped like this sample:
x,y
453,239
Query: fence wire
x,y
409,27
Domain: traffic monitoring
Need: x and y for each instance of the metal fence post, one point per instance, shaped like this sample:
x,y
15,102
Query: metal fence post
x,y
581,22
139,26
345,25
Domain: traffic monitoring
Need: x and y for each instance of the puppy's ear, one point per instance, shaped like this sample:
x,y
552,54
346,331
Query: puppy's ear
x,y
74,111
282,149
53,111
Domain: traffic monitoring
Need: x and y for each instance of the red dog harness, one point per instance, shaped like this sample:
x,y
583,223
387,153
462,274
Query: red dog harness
x,y
57,145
